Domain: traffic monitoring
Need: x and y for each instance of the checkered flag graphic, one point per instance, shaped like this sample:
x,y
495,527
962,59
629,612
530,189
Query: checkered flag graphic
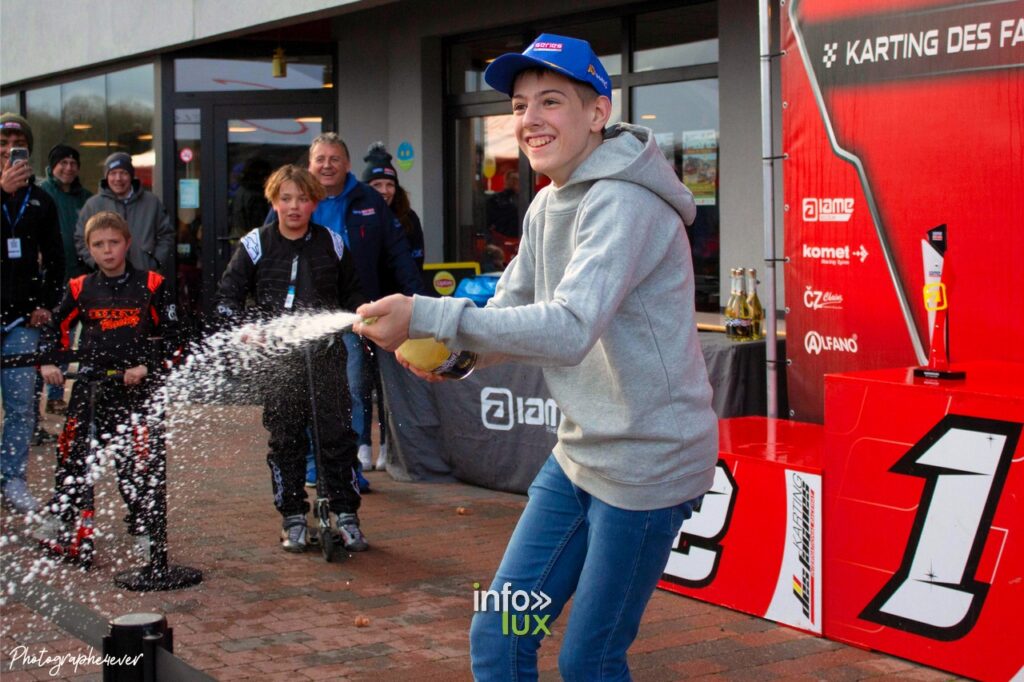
x,y
830,54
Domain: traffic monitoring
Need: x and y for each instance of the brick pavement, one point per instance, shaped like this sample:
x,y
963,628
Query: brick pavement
x,y
267,615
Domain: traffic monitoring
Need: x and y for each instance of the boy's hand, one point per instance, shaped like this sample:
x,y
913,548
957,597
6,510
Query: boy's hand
x,y
426,376
39,317
391,327
52,375
135,375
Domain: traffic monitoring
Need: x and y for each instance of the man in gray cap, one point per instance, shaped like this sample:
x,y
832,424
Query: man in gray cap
x,y
152,245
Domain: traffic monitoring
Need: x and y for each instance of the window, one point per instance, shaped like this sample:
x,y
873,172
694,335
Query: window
x,y
252,73
671,87
9,104
97,116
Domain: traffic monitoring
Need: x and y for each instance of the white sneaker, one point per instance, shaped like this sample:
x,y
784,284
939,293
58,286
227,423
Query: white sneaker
x,y
18,497
366,457
142,548
382,457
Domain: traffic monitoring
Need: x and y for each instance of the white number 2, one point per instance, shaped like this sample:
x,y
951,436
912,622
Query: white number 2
x,y
934,593
694,560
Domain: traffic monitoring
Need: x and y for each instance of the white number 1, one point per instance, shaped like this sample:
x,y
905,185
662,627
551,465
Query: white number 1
x,y
934,593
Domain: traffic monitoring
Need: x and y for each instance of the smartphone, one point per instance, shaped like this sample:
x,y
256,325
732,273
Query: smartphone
x,y
19,153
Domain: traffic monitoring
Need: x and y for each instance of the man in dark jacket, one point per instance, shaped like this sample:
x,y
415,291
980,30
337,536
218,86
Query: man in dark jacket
x,y
152,232
67,192
31,234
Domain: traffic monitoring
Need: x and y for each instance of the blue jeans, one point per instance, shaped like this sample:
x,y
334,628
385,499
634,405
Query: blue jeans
x,y
568,541
19,391
360,387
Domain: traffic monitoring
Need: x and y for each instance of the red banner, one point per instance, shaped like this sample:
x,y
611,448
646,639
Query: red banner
x,y
900,116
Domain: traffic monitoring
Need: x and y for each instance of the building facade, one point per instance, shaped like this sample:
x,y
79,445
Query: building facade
x,y
209,97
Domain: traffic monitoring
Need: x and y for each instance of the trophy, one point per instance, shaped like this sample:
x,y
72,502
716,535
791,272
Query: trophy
x,y
936,302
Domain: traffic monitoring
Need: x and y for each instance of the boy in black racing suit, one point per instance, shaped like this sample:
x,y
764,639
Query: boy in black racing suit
x,y
292,265
121,309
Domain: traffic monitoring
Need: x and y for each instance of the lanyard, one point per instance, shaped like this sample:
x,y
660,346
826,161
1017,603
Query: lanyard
x,y
21,211
289,300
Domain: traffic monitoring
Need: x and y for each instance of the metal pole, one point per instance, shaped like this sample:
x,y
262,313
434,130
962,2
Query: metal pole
x,y
768,207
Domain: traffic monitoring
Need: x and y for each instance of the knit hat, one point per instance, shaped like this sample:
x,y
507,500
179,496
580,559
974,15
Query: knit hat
x,y
118,160
12,123
60,152
378,164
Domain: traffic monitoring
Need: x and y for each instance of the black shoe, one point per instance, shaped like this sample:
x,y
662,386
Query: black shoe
x,y
42,436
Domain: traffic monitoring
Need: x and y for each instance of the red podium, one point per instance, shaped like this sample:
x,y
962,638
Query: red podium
x,y
924,501
754,544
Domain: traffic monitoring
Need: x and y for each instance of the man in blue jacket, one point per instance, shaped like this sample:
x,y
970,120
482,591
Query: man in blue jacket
x,y
360,215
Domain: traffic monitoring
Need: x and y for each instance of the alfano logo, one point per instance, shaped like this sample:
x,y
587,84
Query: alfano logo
x,y
827,209
803,540
815,299
816,343
501,411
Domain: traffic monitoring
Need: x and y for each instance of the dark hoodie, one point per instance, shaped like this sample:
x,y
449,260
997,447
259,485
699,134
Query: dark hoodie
x,y
68,205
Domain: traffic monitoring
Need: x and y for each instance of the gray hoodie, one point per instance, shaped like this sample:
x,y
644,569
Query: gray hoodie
x,y
152,234
601,296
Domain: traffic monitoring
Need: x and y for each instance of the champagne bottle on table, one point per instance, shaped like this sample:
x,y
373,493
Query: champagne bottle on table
x,y
730,307
744,316
756,309
430,355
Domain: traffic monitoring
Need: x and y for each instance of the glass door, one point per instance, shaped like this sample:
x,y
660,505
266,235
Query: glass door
x,y
250,142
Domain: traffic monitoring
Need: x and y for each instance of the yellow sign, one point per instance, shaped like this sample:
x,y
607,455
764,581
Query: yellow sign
x,y
444,283
490,167
935,296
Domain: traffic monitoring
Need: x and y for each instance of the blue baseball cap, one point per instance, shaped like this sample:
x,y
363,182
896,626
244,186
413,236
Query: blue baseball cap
x,y
571,57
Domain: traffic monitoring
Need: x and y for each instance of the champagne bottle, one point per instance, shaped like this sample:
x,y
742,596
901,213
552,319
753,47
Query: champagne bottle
x,y
756,309
744,317
433,356
730,307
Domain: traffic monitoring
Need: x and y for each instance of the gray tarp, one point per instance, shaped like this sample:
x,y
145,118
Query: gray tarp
x,y
497,427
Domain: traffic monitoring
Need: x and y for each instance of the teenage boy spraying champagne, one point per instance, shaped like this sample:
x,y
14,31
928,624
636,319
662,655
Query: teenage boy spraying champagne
x,y
601,296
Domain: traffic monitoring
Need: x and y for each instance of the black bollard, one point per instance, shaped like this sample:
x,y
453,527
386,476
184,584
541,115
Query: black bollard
x,y
129,651
158,575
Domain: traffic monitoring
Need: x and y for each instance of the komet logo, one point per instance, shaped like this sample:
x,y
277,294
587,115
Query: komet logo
x,y
827,209
834,255
816,344
501,411
822,300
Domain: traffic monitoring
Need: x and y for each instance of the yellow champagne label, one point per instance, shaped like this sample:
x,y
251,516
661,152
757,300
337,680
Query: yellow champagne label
x,y
425,354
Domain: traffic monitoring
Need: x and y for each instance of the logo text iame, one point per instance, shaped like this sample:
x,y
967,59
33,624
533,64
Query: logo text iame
x,y
501,411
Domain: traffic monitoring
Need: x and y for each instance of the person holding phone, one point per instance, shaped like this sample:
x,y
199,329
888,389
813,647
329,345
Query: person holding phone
x,y
31,235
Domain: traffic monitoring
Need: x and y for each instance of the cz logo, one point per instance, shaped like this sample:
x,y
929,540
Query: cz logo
x,y
501,411
694,560
822,300
936,592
